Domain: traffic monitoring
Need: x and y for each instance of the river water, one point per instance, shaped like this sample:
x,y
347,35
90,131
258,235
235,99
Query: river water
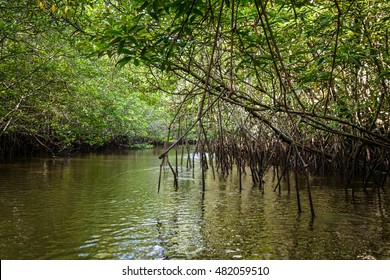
x,y
106,206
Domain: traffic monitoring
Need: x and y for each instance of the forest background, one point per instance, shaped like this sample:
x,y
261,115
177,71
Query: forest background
x,y
299,83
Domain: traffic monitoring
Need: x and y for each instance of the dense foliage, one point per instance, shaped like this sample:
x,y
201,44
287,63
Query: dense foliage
x,y
303,82
55,98
311,74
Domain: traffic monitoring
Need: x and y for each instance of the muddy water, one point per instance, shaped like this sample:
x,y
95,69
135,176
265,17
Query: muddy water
x,y
106,206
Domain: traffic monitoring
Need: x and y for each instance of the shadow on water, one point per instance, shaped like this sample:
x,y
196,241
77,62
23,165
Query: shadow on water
x,y
106,206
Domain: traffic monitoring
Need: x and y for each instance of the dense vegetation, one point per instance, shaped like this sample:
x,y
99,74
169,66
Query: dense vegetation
x,y
300,83
56,97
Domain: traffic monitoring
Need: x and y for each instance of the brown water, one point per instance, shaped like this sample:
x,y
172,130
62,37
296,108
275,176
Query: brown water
x,y
106,206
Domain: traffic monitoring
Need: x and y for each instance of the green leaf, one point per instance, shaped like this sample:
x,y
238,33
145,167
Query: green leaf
x,y
155,6
113,32
127,51
324,75
321,60
122,62
385,74
197,12
114,41
120,47
143,52
144,5
385,19
356,61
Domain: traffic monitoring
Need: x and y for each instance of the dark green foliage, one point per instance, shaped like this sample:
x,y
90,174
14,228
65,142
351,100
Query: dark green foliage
x,y
313,74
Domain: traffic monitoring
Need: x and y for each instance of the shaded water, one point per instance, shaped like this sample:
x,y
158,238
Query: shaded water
x,y
106,206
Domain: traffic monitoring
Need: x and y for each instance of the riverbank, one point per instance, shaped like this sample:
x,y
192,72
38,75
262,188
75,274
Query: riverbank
x,y
32,145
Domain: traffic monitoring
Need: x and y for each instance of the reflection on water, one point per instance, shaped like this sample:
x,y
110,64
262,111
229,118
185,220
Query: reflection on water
x,y
106,206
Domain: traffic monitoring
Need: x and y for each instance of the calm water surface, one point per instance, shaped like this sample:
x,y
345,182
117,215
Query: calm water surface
x,y
106,206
